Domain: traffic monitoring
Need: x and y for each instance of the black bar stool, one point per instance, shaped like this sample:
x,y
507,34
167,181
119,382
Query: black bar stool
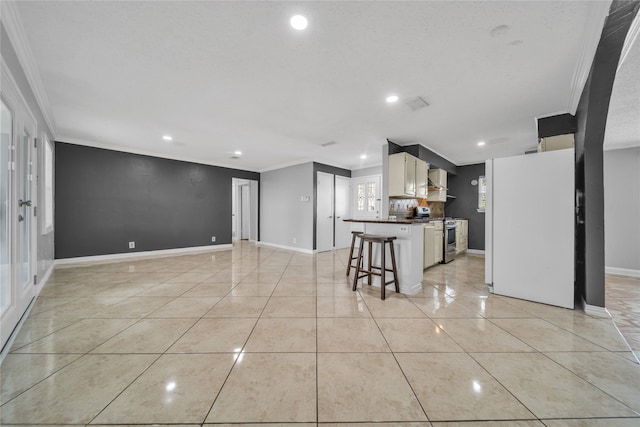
x,y
354,234
373,270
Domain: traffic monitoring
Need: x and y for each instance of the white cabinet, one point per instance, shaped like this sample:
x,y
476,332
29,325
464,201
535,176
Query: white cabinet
x,y
433,243
422,178
438,177
429,245
438,190
462,235
438,243
407,176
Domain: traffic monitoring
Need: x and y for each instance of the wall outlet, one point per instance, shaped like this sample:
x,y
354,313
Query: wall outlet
x,y
213,238
132,245
295,240
404,228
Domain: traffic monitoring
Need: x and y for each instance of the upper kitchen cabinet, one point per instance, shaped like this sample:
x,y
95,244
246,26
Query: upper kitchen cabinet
x,y
422,178
438,185
407,176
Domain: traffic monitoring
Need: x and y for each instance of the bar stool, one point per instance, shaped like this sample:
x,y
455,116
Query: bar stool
x,y
373,270
354,234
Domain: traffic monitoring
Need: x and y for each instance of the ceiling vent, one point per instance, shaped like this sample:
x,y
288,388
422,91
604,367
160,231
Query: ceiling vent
x,y
327,144
234,157
416,103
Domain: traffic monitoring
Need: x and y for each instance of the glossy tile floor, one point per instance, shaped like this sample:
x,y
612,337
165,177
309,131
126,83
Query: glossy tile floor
x,y
258,335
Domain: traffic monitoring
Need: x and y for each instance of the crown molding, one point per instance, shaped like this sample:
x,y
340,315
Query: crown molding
x,y
596,15
18,38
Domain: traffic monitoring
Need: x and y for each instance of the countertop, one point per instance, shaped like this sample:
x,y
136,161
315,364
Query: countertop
x,y
396,221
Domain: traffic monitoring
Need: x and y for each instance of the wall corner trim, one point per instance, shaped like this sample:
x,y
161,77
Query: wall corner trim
x,y
97,259
594,310
622,271
596,15
18,37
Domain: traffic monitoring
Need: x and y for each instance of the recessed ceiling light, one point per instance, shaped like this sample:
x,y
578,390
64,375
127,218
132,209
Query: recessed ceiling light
x,y
238,153
298,22
167,138
392,98
364,156
481,143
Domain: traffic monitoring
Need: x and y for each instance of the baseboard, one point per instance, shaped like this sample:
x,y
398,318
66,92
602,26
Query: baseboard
x,y
622,271
16,330
135,255
475,251
594,310
289,248
45,277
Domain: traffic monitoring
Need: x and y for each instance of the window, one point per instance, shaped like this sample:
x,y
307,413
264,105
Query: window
x,y
48,186
482,193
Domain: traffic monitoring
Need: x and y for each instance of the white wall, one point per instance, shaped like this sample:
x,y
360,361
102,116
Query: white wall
x,y
283,214
622,210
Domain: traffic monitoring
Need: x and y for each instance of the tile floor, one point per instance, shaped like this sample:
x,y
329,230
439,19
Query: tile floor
x,y
259,335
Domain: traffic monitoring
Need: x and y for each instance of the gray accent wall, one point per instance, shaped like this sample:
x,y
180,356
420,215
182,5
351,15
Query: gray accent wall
x,y
106,198
283,213
45,251
465,205
622,209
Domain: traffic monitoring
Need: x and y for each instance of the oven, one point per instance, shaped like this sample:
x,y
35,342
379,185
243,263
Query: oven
x,y
449,240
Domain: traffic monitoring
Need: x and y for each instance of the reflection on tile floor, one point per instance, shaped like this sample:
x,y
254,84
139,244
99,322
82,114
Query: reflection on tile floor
x,y
263,335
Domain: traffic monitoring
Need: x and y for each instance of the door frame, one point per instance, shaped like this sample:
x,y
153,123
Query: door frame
x,y
23,121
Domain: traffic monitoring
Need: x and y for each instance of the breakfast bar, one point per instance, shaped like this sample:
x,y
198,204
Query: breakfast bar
x,y
409,247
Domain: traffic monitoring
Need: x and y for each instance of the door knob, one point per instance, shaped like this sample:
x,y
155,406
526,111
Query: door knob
x,y
21,202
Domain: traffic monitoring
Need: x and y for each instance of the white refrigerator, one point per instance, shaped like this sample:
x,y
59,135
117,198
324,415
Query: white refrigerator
x,y
529,225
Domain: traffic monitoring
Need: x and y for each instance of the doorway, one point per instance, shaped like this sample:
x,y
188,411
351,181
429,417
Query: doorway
x,y
244,209
18,228
324,212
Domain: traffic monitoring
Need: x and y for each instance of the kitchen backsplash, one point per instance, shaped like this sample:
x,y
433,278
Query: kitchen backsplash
x,y
403,208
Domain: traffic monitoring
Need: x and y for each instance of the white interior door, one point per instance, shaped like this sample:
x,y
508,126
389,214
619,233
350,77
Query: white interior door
x,y
366,197
245,212
17,210
324,212
343,211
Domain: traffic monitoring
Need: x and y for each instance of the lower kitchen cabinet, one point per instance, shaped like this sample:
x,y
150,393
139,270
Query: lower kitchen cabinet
x,y
462,235
429,245
433,243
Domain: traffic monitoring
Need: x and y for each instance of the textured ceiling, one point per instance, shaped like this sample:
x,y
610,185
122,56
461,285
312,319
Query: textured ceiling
x,y
226,76
623,121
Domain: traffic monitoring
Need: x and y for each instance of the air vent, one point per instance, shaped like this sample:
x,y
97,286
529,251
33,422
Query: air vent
x,y
234,157
327,144
416,103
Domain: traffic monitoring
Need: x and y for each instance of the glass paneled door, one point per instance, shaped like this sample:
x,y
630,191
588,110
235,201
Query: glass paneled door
x,y
17,211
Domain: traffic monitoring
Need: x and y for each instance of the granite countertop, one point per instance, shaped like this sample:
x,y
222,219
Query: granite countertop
x,y
382,221
396,221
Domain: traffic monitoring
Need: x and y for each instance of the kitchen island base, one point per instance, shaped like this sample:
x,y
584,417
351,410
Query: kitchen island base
x,y
409,251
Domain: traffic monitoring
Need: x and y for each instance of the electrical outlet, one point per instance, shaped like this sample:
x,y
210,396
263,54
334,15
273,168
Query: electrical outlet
x,y
295,240
132,245
213,238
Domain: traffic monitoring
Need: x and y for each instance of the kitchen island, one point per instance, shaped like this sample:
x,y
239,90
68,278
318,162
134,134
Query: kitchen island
x,y
409,249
